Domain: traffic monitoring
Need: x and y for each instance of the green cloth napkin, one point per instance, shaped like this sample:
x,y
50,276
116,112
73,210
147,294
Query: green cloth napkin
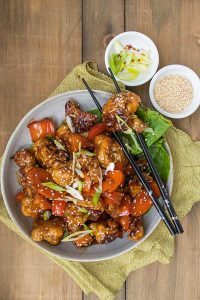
x,y
97,277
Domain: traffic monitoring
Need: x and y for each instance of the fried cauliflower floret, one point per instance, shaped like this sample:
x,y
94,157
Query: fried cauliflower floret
x,y
134,187
82,120
51,231
89,203
62,173
84,241
108,151
123,105
27,207
137,124
25,158
72,140
31,206
47,153
136,229
90,166
63,132
32,177
105,232
74,218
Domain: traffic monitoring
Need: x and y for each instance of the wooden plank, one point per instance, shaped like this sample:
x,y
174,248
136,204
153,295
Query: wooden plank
x,y
173,26
40,43
101,20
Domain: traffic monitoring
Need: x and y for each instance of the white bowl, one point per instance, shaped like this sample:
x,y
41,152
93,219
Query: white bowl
x,y
140,41
55,107
191,76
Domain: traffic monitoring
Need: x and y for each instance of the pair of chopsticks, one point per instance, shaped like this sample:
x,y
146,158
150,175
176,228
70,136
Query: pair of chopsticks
x,y
174,227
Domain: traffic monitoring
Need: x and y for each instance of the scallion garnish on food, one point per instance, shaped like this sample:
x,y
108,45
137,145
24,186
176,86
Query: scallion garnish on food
x,y
87,228
75,193
54,186
46,215
83,210
59,145
129,131
76,235
85,152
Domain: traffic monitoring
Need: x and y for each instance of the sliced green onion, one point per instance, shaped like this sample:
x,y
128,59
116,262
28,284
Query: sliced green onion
x,y
66,199
121,122
87,228
70,124
54,186
128,132
96,196
76,194
46,215
118,47
84,152
133,137
76,235
79,173
59,145
78,184
83,210
127,64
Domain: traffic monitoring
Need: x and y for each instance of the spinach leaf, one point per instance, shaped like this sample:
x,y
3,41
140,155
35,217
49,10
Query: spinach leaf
x,y
157,122
160,158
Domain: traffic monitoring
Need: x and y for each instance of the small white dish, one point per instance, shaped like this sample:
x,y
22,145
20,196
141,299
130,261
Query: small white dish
x,y
191,76
140,41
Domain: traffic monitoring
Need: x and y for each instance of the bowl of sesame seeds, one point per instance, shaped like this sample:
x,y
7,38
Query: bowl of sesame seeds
x,y
175,91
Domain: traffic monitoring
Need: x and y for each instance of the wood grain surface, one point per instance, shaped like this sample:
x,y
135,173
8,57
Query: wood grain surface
x,y
41,41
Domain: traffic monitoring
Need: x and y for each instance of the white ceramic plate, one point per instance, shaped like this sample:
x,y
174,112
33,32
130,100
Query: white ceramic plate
x,y
55,107
140,41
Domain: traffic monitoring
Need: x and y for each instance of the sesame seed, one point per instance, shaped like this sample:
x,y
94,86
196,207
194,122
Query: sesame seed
x,y
173,93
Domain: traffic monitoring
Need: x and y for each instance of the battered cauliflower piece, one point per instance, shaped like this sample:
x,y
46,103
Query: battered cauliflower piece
x,y
51,231
47,153
25,158
108,150
122,104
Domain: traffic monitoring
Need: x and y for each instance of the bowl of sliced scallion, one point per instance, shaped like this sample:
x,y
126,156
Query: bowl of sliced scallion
x,y
133,58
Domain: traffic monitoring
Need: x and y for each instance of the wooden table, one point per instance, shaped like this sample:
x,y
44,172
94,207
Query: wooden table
x,y
41,41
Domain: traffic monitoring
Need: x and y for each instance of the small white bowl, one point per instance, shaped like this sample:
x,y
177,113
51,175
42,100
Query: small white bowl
x,y
140,41
191,76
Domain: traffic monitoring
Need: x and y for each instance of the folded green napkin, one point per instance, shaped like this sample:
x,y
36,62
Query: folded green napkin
x,y
97,277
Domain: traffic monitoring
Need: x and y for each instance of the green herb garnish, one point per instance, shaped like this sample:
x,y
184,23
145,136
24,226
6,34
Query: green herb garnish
x,y
54,186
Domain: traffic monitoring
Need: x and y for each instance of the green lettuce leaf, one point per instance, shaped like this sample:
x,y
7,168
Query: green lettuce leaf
x,y
157,122
160,158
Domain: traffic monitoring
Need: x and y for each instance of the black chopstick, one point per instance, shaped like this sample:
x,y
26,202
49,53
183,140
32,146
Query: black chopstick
x,y
160,184
138,172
